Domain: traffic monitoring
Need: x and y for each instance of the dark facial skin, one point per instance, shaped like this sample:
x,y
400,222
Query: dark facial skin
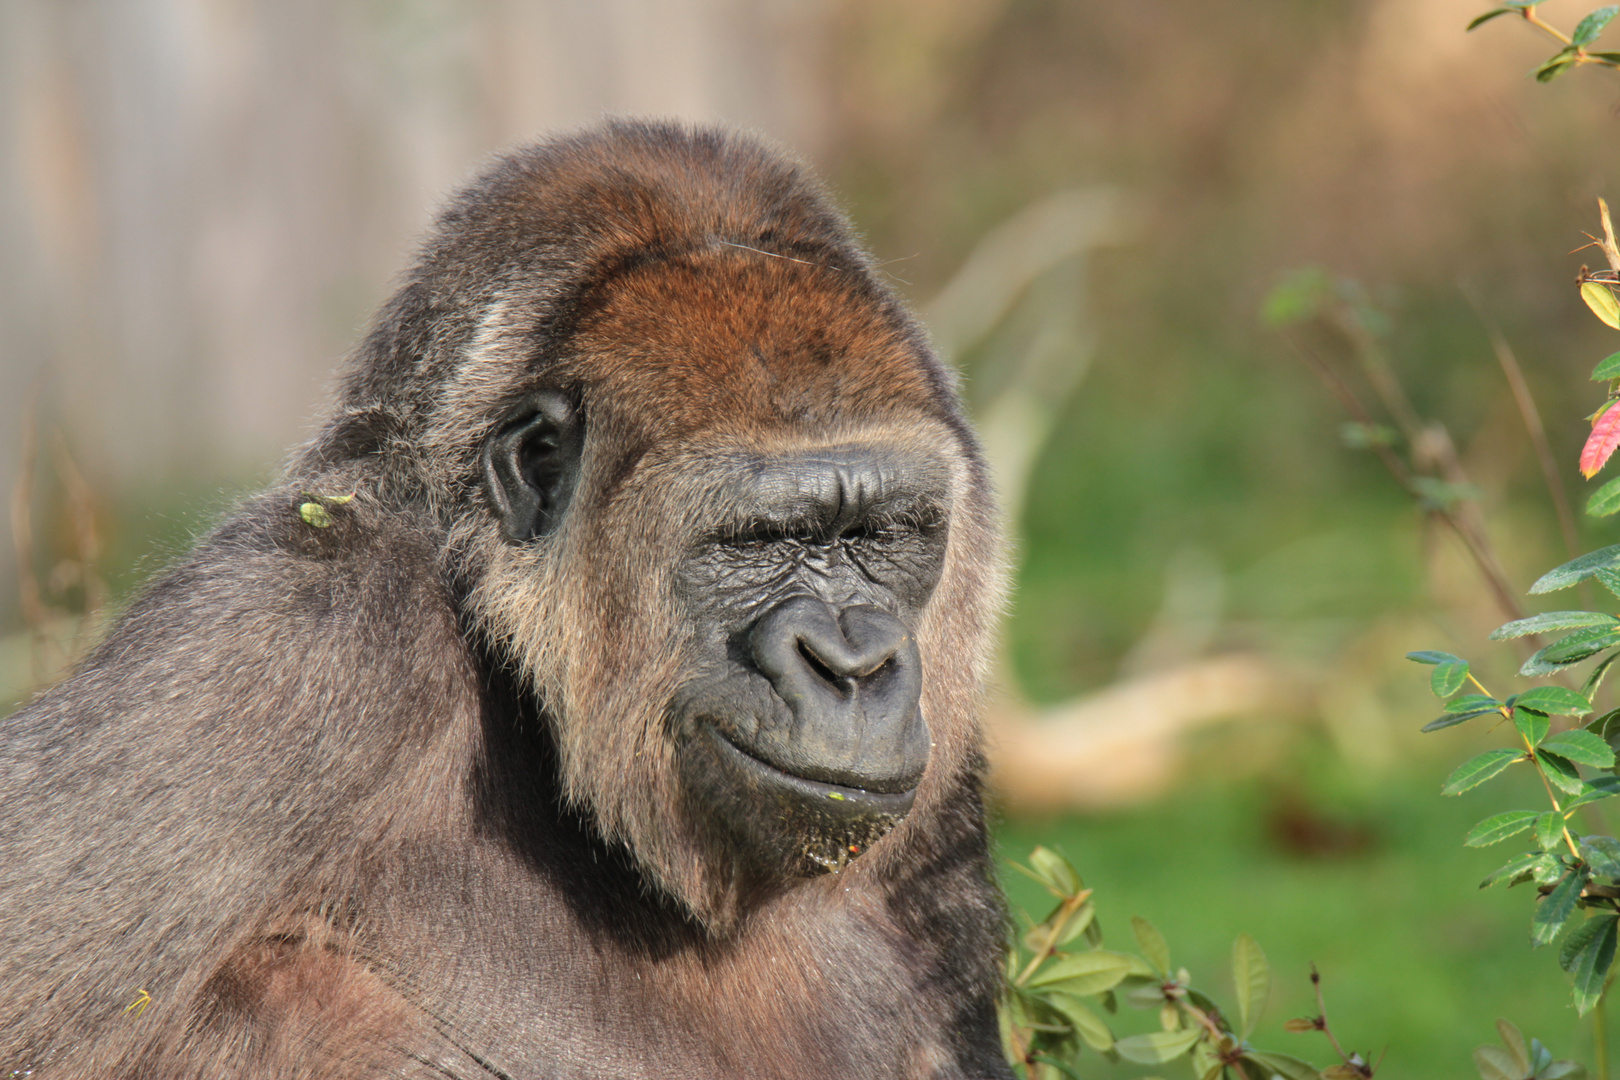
x,y
803,716
799,731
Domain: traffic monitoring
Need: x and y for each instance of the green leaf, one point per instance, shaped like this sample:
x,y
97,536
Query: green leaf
x,y
1434,656
1365,436
1145,992
1552,620
1580,937
1606,499
1477,770
1572,649
1602,854
1513,1039
1547,72
1581,747
1547,873
1499,827
1595,679
1532,725
1436,494
1289,1068
1447,679
1597,788
1554,700
1481,20
1561,772
1251,976
1563,1070
1587,30
1495,1063
1555,908
1596,294
1452,720
1517,869
315,514
1609,578
1152,944
1083,973
1159,1047
1055,872
1591,962
1604,725
1062,1067
1473,703
1077,924
1073,924
1607,368
1576,570
1087,1024
1549,829
1296,298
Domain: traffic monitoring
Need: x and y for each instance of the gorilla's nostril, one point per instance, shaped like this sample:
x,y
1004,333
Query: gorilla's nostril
x,y
821,668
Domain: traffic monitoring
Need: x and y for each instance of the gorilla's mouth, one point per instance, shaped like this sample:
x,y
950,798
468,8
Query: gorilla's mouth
x,y
838,799
792,824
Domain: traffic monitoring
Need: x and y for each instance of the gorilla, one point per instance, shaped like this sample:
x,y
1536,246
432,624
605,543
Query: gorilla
x,y
594,696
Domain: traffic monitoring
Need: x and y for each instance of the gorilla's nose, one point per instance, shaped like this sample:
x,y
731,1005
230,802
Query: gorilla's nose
x,y
851,679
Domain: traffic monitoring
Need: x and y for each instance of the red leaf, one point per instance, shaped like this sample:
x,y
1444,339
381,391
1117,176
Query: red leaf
x,y
1601,443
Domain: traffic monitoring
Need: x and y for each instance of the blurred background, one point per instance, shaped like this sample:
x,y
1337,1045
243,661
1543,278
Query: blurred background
x,y
1202,698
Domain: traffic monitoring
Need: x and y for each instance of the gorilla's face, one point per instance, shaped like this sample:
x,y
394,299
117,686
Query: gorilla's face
x,y
798,729
801,724
754,501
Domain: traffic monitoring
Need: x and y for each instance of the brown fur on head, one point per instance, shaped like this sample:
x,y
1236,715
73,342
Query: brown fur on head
x,y
705,307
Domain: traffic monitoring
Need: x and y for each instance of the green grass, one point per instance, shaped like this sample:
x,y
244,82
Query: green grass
x,y
1414,957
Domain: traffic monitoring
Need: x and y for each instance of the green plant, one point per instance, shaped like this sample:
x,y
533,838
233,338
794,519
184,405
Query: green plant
x,y
1573,52
1514,1060
1573,872
1063,985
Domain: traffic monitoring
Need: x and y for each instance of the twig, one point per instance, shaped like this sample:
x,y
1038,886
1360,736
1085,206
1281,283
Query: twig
x,y
1547,28
1379,373
1322,1025
1538,434
1478,545
1022,1052
1071,904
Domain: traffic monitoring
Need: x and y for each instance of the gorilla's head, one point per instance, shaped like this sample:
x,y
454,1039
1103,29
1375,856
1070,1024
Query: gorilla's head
x,y
708,492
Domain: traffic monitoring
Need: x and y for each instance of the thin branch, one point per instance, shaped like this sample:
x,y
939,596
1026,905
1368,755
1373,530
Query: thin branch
x,y
1375,364
1327,1029
1071,904
1478,545
1538,434
1547,28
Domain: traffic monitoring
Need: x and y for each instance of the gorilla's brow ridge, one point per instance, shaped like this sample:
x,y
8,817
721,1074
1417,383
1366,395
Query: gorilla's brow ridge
x,y
822,494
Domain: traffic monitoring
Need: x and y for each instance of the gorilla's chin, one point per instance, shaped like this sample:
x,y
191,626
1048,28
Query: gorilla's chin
x,y
794,826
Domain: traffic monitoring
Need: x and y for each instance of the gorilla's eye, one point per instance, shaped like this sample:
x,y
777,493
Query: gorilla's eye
x,y
531,465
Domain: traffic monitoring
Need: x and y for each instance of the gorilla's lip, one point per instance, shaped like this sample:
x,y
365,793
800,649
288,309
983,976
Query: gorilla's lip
x,y
835,799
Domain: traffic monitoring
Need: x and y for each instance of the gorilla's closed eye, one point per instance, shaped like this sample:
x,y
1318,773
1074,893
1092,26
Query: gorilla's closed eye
x,y
531,465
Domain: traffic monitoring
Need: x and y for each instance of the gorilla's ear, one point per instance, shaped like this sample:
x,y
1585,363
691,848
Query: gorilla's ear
x,y
531,464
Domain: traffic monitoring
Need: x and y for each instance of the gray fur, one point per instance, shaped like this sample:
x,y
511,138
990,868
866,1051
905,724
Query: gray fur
x,y
393,797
